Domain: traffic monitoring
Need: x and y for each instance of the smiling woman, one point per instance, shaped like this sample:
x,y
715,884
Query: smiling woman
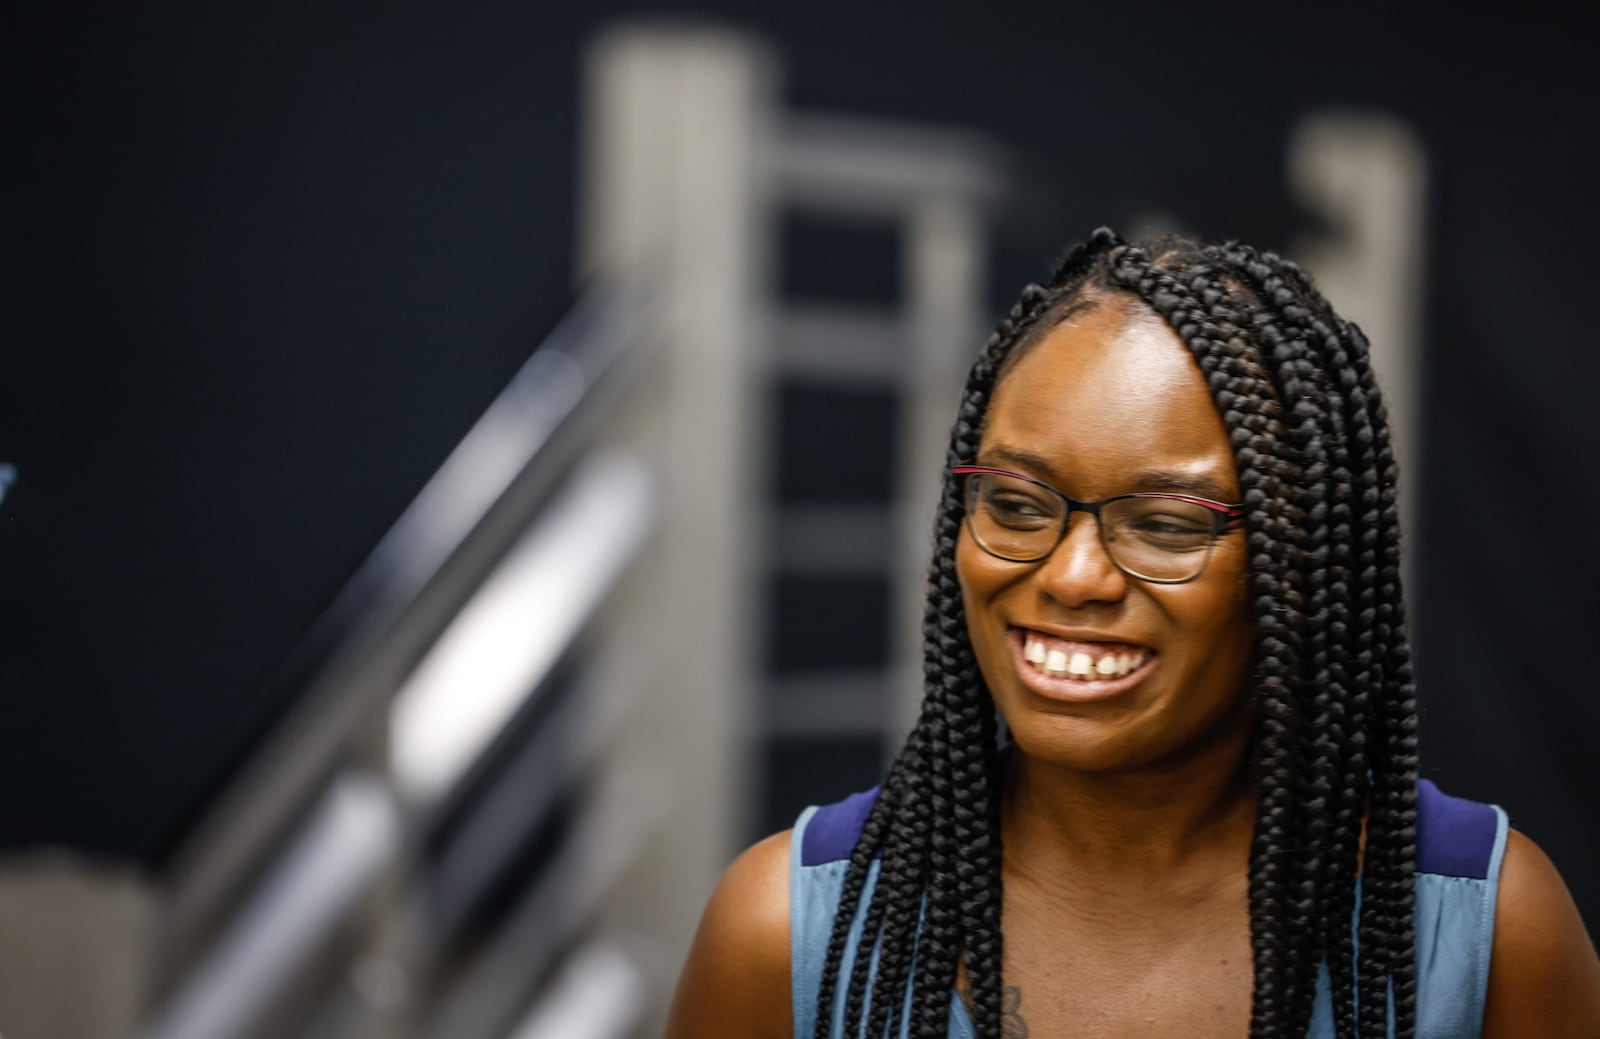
x,y
1164,781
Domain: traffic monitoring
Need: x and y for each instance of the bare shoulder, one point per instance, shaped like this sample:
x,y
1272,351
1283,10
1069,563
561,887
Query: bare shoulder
x,y
736,979
1544,976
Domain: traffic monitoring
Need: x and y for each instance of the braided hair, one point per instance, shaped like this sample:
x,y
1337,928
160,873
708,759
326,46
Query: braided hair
x,y
1335,746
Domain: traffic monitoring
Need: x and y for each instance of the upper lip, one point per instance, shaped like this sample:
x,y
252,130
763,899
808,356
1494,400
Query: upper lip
x,y
1083,635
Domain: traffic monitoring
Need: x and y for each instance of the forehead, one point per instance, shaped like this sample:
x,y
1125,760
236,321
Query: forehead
x,y
1107,394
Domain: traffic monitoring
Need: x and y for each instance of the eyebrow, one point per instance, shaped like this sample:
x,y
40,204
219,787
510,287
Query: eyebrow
x,y
1200,486
1146,480
1022,458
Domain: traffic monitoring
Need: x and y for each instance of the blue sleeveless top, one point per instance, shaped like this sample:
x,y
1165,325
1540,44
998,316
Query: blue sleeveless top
x,y
1459,847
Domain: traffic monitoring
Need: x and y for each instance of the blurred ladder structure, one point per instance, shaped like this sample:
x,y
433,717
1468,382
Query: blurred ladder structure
x,y
934,191
692,168
838,566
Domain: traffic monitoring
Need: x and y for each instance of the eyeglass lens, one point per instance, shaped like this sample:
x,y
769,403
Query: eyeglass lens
x,y
1162,539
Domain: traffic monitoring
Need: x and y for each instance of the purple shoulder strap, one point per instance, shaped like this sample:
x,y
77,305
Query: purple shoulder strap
x,y
832,831
1455,837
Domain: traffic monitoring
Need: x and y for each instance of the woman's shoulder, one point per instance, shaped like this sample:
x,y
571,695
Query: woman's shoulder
x,y
1514,925
736,978
1544,975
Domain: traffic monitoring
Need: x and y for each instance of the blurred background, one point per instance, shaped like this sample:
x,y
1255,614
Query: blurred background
x,y
464,469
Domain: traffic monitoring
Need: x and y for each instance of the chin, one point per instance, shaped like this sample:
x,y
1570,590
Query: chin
x,y
1124,742
1076,744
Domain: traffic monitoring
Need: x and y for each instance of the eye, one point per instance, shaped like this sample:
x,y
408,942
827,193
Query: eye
x,y
1013,504
1170,526
1015,509
1172,530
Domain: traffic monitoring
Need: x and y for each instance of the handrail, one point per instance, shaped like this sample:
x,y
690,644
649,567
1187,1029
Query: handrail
x,y
486,997
442,723
412,584
600,994
509,635
304,896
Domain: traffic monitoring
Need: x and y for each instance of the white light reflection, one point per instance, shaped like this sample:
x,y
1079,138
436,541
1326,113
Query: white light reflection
x,y
599,995
330,861
515,627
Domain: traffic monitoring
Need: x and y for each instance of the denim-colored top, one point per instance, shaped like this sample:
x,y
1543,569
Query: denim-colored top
x,y
1459,847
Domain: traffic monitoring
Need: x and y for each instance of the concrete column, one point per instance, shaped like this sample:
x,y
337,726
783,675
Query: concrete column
x,y
676,193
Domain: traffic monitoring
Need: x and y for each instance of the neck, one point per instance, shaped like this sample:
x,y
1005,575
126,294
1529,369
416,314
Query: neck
x,y
1132,824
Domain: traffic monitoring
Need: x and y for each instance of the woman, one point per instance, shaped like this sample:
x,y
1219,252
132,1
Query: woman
x,y
1164,781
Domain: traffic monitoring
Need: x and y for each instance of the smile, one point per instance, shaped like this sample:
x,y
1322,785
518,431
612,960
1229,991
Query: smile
x,y
1071,668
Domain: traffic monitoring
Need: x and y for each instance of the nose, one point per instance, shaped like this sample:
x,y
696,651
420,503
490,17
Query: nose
x,y
1080,570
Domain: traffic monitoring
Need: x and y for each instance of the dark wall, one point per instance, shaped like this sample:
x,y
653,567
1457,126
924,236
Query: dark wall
x,y
265,264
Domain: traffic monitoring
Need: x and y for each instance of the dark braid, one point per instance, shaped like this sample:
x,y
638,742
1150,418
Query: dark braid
x,y
1338,726
1335,745
1391,836
1381,655
1199,308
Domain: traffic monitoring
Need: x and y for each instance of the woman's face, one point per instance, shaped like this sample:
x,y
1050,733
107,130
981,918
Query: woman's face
x,y
1108,403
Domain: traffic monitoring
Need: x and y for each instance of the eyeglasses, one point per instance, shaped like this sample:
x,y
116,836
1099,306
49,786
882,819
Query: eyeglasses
x,y
1164,538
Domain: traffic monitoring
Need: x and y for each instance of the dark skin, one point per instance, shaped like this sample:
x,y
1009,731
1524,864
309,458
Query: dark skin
x,y
1128,818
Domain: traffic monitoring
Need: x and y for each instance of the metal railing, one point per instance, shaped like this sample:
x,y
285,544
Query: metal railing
x,y
450,633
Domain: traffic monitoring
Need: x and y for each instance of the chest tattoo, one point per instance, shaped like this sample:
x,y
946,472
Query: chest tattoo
x,y
1012,1025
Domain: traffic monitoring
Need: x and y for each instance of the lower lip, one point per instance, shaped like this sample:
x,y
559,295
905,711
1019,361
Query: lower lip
x,y
1075,690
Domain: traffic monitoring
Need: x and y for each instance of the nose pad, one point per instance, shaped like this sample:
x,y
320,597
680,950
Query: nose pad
x,y
1081,569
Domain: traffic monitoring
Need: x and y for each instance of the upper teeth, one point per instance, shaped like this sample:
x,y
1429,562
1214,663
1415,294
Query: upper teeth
x,y
1079,663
